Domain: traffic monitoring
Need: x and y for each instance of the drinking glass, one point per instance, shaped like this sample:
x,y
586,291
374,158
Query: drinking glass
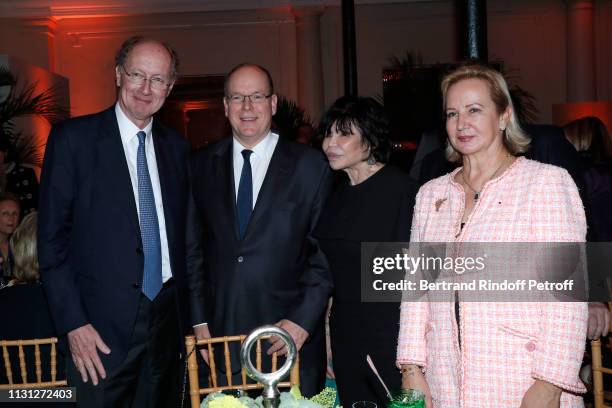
x,y
364,404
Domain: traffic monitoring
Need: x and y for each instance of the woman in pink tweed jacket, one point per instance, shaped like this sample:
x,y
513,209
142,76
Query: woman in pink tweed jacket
x,y
504,354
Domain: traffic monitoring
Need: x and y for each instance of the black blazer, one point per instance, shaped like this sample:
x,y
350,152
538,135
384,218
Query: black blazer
x,y
90,250
278,270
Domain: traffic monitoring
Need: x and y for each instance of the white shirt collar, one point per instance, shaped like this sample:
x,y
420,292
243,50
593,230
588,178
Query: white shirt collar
x,y
260,149
127,128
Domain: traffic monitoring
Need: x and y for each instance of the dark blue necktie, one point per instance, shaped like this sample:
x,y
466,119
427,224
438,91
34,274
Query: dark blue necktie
x,y
149,225
244,202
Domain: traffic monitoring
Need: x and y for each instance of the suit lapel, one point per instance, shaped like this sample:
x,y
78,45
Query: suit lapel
x,y
115,166
224,172
279,171
166,169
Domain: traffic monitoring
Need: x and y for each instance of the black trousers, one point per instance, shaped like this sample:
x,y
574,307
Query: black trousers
x,y
150,374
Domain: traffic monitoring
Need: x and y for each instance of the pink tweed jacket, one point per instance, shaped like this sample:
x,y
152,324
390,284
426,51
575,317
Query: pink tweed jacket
x,y
505,346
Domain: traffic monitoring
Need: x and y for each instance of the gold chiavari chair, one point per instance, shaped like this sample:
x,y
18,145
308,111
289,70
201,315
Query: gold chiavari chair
x,y
599,370
213,345
21,346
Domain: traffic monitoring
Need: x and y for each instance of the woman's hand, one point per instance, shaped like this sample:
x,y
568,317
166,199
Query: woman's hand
x,y
599,320
542,394
330,370
413,378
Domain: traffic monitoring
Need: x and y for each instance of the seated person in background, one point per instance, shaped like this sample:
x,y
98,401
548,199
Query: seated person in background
x,y
593,143
29,316
9,220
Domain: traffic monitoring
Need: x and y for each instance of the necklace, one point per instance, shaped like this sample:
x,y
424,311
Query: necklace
x,y
477,192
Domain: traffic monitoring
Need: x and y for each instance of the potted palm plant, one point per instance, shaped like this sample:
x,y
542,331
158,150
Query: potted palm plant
x,y
21,151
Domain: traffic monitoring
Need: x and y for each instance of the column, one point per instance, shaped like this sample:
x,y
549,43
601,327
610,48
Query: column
x,y
472,15
580,51
42,39
349,48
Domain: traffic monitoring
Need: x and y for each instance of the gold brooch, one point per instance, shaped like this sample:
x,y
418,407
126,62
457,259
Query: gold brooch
x,y
439,203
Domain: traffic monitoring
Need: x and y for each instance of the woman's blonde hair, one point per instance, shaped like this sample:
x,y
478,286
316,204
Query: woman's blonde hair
x,y
514,138
23,246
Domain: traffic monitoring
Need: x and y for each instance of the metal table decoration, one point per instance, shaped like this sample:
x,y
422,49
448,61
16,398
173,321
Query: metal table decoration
x,y
270,394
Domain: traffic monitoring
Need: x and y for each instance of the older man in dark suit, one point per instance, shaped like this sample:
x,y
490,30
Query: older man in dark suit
x,y
112,227
259,197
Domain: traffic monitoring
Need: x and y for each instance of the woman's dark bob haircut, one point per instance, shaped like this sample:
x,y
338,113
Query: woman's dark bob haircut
x,y
365,115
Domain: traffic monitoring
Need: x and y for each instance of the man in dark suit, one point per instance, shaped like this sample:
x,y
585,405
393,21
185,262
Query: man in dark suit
x,y
258,198
113,214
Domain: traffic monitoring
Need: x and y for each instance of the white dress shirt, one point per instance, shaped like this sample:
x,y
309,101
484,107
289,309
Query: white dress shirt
x,y
129,139
260,160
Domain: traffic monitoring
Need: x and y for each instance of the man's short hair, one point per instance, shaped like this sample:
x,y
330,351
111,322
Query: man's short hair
x,y
244,65
129,44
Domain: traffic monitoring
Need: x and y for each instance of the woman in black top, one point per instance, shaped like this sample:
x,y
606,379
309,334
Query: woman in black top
x,y
372,203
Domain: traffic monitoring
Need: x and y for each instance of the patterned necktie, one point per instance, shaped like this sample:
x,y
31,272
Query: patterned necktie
x,y
149,226
244,202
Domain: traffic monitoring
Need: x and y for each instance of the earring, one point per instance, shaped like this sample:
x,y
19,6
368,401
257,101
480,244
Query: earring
x,y
371,160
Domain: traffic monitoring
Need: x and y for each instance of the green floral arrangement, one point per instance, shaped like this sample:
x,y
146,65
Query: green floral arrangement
x,y
290,399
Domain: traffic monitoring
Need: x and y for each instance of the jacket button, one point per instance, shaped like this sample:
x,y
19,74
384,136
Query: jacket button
x,y
530,346
135,285
240,259
139,251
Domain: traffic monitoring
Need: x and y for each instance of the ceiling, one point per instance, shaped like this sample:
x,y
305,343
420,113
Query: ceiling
x,y
73,8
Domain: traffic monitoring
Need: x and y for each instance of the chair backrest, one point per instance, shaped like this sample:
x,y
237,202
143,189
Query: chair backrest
x,y
23,347
599,370
212,345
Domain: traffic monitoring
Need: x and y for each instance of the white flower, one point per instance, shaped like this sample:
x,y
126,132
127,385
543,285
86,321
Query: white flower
x,y
287,400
